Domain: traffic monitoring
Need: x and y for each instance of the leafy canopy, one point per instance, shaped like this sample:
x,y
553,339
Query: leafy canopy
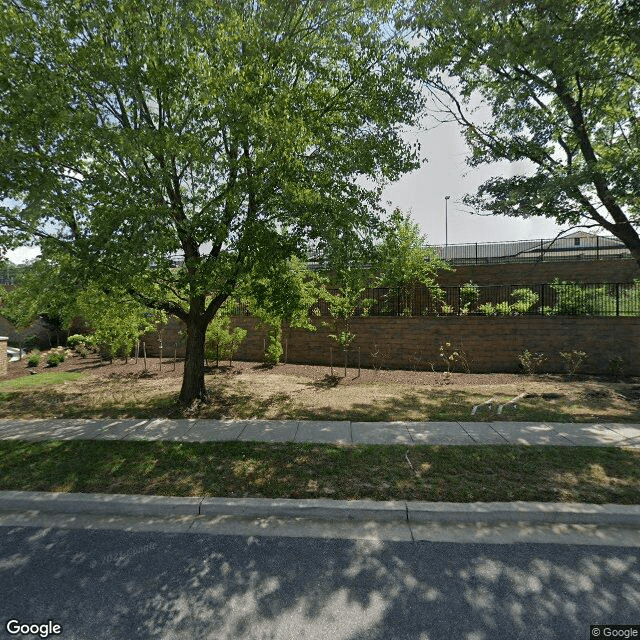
x,y
230,133
560,82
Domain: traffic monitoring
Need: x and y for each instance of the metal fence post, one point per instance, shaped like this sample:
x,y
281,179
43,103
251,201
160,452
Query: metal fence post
x,y
597,247
542,299
476,253
617,299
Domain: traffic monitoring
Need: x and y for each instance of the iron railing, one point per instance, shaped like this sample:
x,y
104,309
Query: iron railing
x,y
555,298
543,250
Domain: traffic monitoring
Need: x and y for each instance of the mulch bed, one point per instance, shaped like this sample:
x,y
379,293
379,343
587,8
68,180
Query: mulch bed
x,y
92,365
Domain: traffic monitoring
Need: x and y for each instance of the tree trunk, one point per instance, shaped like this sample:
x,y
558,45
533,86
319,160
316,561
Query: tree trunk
x,y
630,238
193,379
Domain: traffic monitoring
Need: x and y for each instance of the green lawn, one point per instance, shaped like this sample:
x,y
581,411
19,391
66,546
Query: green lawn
x,y
41,380
288,470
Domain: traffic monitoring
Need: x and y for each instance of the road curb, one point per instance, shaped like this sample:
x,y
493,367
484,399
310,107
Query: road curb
x,y
328,510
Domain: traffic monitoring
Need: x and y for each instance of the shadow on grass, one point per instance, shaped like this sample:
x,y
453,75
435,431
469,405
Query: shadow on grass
x,y
328,382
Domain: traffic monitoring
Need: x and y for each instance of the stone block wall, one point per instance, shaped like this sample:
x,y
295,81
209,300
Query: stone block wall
x,y
491,344
3,355
586,271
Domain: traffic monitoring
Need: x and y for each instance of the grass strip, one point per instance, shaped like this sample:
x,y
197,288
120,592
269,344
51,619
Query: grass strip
x,y
41,380
291,470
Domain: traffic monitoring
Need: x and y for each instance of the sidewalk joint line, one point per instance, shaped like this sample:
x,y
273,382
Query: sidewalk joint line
x,y
472,438
409,432
241,430
495,431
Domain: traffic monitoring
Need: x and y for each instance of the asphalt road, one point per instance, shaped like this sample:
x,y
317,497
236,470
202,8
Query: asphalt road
x,y
130,585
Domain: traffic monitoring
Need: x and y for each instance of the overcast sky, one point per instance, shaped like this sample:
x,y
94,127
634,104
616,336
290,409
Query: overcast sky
x,y
422,193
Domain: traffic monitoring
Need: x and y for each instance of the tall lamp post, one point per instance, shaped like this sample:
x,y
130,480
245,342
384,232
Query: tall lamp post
x,y
446,225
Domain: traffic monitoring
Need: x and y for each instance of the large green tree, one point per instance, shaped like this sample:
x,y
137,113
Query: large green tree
x,y
562,81
233,133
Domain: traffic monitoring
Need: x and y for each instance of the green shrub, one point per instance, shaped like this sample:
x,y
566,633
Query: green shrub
x,y
34,359
503,308
469,294
525,299
573,360
487,308
630,300
55,358
531,362
76,339
273,352
220,342
575,300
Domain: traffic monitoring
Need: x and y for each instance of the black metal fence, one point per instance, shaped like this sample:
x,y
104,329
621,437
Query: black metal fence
x,y
543,250
555,298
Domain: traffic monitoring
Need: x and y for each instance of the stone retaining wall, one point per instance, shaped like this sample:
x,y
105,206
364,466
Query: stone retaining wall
x,y
3,355
491,344
620,270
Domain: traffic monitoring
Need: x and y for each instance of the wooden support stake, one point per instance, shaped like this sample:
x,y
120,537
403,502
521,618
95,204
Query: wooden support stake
x,y
160,357
144,354
345,363
358,362
175,350
137,351
331,352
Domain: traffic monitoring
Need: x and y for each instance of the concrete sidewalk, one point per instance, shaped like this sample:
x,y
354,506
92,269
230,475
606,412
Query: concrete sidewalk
x,y
397,520
330,432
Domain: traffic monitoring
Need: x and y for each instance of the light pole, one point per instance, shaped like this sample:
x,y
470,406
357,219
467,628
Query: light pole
x,y
446,221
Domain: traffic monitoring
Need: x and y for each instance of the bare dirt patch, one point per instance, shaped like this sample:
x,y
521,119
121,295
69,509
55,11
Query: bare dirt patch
x,y
299,391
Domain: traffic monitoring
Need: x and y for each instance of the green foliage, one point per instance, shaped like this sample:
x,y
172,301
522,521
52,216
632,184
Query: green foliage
x,y
34,359
531,362
220,341
525,300
487,308
630,300
55,358
233,133
469,294
403,260
273,351
343,339
77,339
560,82
343,307
573,360
503,308
117,320
42,288
574,299
284,292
